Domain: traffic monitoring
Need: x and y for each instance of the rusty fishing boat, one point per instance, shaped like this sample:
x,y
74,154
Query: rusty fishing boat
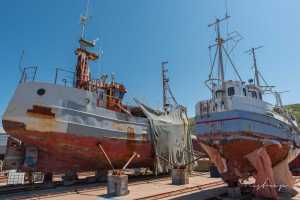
x,y
85,126
237,128
62,125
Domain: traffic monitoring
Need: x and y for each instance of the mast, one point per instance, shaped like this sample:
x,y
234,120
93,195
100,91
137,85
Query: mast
x,y
256,72
219,43
167,92
84,19
255,68
220,49
165,85
82,73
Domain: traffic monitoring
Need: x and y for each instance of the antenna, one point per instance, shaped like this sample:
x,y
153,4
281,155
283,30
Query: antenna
x,y
226,8
21,60
84,19
256,72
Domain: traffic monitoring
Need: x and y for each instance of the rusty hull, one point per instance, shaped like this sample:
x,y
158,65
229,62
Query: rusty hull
x,y
60,152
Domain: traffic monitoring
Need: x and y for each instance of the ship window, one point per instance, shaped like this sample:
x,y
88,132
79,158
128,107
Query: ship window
x,y
101,95
116,93
254,95
244,92
121,95
231,91
260,96
219,93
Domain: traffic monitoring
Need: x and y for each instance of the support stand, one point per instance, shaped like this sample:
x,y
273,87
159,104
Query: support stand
x,y
180,176
70,177
117,185
48,178
234,192
117,181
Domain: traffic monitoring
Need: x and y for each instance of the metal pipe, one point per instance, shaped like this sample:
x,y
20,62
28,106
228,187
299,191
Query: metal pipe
x,y
130,159
106,156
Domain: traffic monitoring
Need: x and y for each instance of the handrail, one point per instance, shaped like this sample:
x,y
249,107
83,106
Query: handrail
x,y
26,70
57,70
211,80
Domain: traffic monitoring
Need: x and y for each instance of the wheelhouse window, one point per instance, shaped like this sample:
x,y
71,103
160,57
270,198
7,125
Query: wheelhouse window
x,y
253,94
116,93
219,93
231,91
100,94
244,92
259,95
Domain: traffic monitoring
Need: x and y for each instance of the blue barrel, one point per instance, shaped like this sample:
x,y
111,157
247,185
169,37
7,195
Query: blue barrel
x,y
214,173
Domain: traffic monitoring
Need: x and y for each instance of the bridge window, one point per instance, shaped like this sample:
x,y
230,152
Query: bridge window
x,y
244,92
231,91
116,93
260,96
100,95
253,94
219,93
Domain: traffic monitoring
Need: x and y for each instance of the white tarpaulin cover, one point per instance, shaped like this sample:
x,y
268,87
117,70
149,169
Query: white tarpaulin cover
x,y
170,136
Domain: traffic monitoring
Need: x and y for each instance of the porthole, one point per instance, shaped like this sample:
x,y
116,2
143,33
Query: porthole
x,y
41,91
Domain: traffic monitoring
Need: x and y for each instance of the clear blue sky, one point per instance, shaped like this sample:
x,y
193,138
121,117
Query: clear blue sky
x,y
136,35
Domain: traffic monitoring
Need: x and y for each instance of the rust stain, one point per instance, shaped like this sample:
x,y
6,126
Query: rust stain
x,y
41,111
43,125
144,136
43,119
120,127
130,133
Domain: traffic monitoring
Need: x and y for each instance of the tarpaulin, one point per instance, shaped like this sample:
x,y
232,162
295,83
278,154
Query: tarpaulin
x,y
170,137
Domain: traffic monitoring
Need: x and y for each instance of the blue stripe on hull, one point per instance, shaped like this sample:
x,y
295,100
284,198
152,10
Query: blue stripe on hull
x,y
242,121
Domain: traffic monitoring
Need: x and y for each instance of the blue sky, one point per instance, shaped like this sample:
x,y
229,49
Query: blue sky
x,y
136,35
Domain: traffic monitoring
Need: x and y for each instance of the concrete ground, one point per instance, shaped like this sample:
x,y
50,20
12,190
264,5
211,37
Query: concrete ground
x,y
198,189
137,190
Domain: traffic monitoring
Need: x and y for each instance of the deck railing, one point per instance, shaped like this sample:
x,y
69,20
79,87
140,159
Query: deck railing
x,y
28,74
62,76
65,77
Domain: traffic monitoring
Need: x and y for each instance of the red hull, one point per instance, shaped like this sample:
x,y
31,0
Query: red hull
x,y
60,152
234,152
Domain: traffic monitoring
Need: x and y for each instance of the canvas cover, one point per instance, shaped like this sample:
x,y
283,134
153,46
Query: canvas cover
x,y
170,137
